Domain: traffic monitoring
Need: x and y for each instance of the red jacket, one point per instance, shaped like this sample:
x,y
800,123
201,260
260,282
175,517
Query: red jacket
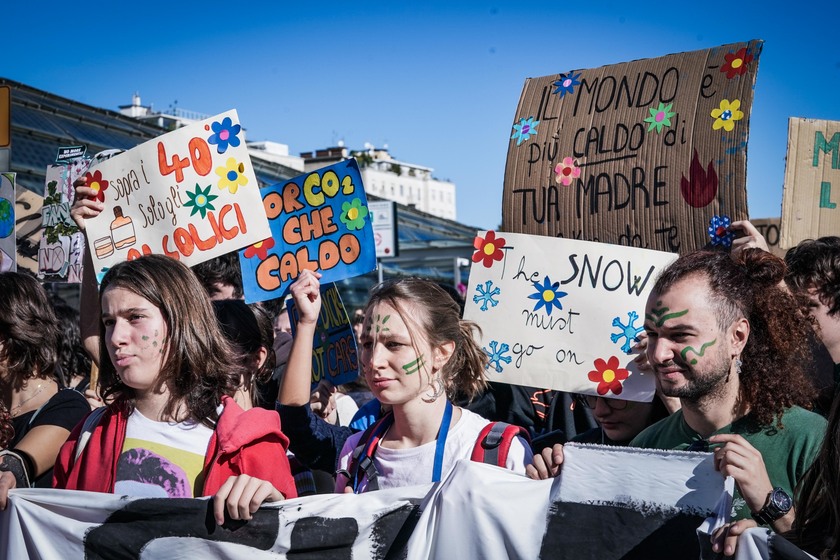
x,y
244,442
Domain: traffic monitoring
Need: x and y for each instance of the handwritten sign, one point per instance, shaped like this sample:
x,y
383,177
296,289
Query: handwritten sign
x,y
334,356
62,245
8,260
319,221
562,314
644,153
812,181
190,194
28,229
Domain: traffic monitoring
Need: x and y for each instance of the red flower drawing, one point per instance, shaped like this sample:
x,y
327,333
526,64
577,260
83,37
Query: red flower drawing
x,y
488,249
736,63
96,182
608,375
260,249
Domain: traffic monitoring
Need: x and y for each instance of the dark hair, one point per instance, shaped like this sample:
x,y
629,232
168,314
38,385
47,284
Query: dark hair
x,y
221,270
747,285
72,357
28,331
815,263
438,317
7,429
199,366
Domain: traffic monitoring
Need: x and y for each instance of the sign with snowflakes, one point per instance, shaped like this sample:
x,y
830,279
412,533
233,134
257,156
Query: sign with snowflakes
x,y
319,221
650,153
190,194
562,314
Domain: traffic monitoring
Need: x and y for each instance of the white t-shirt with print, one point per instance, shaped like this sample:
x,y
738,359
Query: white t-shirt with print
x,y
161,459
413,466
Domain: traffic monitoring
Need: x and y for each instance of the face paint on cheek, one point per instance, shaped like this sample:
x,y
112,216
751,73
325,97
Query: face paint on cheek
x,y
660,314
414,367
684,352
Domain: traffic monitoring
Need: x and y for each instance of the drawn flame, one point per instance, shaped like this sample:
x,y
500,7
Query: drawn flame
x,y
701,188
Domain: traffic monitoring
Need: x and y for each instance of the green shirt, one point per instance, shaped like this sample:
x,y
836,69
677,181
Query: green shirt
x,y
787,452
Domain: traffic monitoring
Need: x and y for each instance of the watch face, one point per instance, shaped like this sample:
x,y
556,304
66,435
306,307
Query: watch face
x,y
781,500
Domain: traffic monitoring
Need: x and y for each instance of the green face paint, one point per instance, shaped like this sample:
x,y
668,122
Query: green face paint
x,y
684,352
414,367
660,314
380,323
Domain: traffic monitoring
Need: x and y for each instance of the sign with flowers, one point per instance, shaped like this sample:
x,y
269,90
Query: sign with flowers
x,y
562,314
643,153
190,194
319,221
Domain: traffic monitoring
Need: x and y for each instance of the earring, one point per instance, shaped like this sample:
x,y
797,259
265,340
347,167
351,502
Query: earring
x,y
738,364
438,390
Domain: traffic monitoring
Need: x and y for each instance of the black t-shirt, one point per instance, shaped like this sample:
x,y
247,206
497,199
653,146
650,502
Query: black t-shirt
x,y
65,409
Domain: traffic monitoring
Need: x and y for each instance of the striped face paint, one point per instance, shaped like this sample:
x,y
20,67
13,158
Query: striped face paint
x,y
414,367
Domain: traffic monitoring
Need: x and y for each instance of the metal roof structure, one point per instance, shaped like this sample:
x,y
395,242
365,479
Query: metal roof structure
x,y
42,122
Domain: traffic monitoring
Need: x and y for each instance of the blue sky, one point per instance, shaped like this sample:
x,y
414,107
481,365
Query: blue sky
x,y
438,82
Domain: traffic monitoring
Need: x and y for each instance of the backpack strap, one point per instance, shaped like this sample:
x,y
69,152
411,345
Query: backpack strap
x,y
493,443
361,461
91,422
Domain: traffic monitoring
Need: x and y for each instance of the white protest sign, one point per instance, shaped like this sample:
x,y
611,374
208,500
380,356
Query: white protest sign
x,y
562,314
190,194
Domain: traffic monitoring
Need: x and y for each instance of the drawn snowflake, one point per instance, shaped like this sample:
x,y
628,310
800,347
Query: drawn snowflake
x,y
497,355
524,130
485,295
628,331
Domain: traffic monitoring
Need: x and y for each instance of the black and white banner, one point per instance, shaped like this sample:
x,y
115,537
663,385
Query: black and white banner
x,y
608,503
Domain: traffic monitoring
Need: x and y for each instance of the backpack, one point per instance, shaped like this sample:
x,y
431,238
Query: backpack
x,y
491,447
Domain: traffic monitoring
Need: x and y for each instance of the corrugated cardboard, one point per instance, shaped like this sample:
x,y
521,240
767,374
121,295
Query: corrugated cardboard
x,y
812,181
770,228
648,192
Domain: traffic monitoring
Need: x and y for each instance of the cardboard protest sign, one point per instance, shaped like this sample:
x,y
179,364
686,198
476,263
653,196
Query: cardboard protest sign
x,y
334,356
190,194
812,181
562,314
8,261
319,221
770,229
62,245
649,153
28,228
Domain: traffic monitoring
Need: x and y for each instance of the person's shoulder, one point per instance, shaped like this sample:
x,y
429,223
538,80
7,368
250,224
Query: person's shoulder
x,y
803,420
651,437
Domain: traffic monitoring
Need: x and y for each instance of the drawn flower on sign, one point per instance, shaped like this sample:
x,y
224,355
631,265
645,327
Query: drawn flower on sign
x,y
608,375
719,231
702,184
726,115
225,134
547,295
231,175
259,249
488,249
353,214
96,182
567,83
200,200
524,130
737,63
660,117
566,171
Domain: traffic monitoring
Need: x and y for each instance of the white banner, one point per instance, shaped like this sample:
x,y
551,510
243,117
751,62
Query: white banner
x,y
608,503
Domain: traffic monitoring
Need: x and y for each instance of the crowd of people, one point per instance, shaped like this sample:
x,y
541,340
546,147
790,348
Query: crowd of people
x,y
167,384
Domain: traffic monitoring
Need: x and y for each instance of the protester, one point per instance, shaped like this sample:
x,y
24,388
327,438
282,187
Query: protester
x,y
72,358
619,420
221,277
726,339
415,352
33,388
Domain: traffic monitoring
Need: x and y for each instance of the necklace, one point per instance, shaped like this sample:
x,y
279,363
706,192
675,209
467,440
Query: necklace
x,y
16,408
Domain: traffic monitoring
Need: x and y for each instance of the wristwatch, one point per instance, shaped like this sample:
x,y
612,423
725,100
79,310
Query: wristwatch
x,y
778,504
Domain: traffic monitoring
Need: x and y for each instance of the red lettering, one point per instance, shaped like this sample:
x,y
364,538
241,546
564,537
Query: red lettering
x,y
177,166
200,153
184,242
203,245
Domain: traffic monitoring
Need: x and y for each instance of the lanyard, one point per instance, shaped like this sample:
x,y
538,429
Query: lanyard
x,y
441,442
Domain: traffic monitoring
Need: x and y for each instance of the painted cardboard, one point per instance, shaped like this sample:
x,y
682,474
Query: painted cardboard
x,y
812,181
190,194
334,354
770,228
319,221
62,245
643,153
562,314
8,247
28,229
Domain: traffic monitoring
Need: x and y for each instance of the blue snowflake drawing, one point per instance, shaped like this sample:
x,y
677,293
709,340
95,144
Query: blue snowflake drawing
x,y
497,355
524,130
628,331
485,295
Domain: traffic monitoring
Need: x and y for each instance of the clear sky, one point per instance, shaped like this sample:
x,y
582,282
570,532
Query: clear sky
x,y
438,82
